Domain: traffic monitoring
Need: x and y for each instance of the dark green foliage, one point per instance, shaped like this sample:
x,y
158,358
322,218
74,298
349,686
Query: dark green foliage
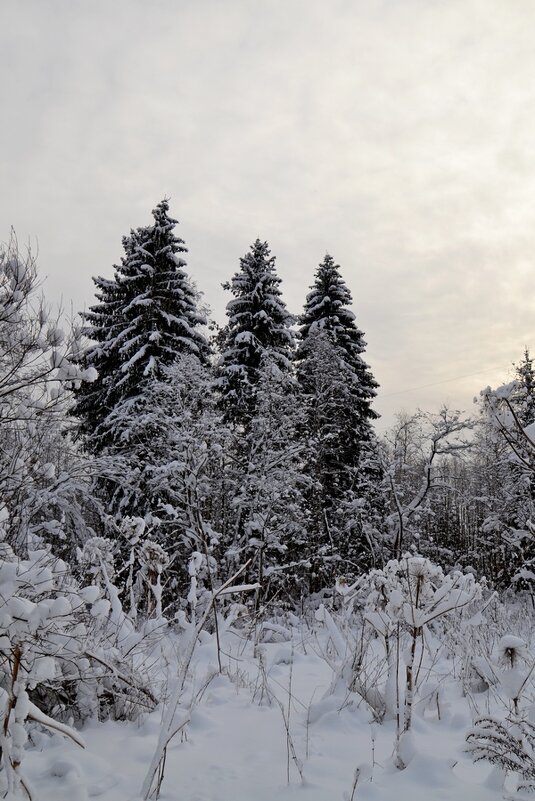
x,y
338,389
145,317
258,324
523,397
327,310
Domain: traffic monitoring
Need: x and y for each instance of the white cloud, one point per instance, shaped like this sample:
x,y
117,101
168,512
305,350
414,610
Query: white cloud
x,y
398,135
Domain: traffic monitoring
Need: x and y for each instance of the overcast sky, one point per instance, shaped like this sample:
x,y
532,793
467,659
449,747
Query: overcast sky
x,y
398,135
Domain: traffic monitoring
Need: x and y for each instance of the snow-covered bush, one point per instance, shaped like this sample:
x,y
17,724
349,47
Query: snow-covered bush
x,y
96,560
144,567
153,560
508,415
66,653
41,638
402,604
44,482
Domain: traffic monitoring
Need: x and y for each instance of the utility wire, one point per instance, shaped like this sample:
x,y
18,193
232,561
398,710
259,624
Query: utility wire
x,y
436,383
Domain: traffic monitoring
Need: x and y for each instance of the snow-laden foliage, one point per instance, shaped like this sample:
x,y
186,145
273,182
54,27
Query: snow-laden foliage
x,y
44,482
146,316
403,603
269,527
63,653
508,524
337,389
258,326
216,506
176,481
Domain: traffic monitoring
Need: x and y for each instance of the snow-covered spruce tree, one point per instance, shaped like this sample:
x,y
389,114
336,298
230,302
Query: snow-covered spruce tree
x,y
338,390
523,395
258,324
258,397
146,315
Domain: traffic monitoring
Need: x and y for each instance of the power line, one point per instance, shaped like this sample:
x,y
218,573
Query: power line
x,y
437,383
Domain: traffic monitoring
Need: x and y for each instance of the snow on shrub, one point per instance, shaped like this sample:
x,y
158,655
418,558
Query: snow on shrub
x,y
401,603
61,655
39,624
508,744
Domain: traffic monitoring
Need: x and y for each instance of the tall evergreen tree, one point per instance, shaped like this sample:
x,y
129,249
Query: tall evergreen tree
x,y
258,397
523,397
338,388
146,315
258,325
327,310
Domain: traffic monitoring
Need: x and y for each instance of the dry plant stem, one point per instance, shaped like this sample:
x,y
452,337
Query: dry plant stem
x,y
264,688
120,675
288,714
14,777
420,662
168,730
17,657
398,700
290,745
13,765
200,528
308,725
355,782
416,632
409,690
373,753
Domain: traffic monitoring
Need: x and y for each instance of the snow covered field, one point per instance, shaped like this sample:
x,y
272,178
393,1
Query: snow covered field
x,y
236,746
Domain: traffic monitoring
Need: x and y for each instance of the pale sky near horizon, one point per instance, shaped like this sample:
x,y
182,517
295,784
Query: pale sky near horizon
x,y
398,135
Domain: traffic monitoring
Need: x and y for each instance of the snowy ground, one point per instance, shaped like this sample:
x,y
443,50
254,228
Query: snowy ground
x,y
235,748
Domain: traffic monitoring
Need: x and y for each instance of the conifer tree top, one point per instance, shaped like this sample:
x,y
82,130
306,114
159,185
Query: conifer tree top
x,y
524,395
257,308
327,309
145,317
258,327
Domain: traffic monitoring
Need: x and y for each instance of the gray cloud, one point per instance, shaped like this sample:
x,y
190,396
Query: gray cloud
x,y
398,135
